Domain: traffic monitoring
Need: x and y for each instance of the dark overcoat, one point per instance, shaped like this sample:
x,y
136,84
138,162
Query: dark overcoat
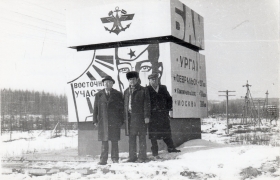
x,y
108,113
161,103
140,106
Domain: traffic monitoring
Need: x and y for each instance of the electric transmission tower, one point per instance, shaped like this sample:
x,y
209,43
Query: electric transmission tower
x,y
260,114
249,107
264,110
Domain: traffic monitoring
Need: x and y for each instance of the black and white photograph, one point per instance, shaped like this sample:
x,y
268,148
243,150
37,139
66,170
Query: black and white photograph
x,y
140,89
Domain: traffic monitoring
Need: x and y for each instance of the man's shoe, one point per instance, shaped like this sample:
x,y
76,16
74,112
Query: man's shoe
x,y
141,160
102,163
131,160
157,157
170,150
115,161
154,158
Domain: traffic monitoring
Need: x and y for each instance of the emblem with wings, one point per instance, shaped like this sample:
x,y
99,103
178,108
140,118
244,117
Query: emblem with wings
x,y
116,20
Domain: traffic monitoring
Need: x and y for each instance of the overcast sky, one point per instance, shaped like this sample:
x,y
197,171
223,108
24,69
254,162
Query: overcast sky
x,y
241,43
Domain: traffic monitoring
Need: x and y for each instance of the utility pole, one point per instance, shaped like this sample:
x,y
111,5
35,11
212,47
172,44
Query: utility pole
x,y
259,101
265,106
227,95
3,113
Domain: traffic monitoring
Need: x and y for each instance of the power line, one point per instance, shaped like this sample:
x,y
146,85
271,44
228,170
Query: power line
x,y
8,6
54,38
27,32
37,27
42,7
33,17
31,37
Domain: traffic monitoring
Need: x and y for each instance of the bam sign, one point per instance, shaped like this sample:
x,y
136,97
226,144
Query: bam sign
x,y
181,70
162,36
169,21
147,37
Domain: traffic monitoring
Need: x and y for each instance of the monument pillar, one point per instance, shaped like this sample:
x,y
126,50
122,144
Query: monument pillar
x,y
155,36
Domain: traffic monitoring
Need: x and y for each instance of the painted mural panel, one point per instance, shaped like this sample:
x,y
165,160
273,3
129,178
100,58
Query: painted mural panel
x,y
134,20
179,69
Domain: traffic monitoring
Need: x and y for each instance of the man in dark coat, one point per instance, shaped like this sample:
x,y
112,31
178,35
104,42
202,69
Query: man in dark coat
x,y
137,114
159,126
108,114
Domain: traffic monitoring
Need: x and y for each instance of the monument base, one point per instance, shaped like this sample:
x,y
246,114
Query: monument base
x,y
183,129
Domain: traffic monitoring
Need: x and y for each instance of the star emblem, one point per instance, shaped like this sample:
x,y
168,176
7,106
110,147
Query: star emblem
x,y
131,53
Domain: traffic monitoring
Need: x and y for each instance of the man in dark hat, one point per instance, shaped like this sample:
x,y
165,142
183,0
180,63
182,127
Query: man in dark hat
x,y
159,126
108,114
137,114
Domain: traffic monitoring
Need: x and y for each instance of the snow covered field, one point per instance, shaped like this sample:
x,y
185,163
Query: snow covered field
x,y
214,130
36,141
199,159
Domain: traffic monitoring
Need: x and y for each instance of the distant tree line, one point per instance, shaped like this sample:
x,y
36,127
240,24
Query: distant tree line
x,y
16,102
25,110
216,107
235,106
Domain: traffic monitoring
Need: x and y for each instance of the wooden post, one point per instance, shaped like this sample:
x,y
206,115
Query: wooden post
x,y
227,95
227,111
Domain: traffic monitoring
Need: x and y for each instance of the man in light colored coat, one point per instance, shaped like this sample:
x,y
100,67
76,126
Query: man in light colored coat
x,y
108,115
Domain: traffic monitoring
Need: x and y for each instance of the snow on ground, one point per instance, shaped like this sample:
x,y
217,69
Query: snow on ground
x,y
214,130
36,141
220,163
196,161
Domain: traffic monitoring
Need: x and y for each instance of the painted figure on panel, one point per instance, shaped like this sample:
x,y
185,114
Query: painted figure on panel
x,y
143,59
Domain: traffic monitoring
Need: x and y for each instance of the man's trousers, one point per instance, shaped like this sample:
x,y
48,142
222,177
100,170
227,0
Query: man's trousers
x,y
133,147
105,150
168,141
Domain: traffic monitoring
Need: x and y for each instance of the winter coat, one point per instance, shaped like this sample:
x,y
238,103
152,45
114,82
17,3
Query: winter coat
x,y
108,113
161,103
140,109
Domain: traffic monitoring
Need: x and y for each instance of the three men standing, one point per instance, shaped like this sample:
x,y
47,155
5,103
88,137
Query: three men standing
x,y
159,126
108,113
141,107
